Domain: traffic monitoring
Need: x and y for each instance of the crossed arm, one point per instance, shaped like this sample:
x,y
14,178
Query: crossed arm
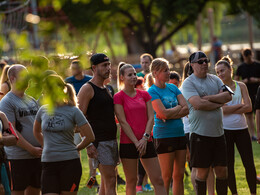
x,y
178,111
244,107
210,102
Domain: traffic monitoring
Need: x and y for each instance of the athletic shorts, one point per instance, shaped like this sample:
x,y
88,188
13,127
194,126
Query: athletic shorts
x,y
208,151
24,173
107,154
167,145
61,176
130,151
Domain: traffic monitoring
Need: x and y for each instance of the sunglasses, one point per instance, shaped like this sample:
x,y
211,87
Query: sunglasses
x,y
202,61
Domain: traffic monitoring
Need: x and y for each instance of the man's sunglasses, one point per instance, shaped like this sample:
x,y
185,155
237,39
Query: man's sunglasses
x,y
202,61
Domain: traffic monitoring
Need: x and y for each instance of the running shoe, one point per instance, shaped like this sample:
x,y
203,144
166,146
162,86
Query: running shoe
x,y
139,189
147,188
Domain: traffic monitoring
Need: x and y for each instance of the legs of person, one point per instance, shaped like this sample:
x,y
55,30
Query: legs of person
x,y
153,169
244,147
130,169
108,172
221,180
251,123
200,180
178,172
166,161
141,173
211,182
102,190
231,161
193,176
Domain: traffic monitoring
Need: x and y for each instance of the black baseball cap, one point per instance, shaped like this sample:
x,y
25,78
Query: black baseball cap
x,y
98,58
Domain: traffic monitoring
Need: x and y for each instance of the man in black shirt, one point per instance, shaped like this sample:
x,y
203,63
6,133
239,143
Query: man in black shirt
x,y
96,102
249,73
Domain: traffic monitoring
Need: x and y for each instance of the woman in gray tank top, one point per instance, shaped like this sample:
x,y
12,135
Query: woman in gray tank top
x,y
54,130
235,126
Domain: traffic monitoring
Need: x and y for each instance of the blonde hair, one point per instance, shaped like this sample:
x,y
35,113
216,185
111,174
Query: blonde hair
x,y
157,65
69,95
149,81
4,76
121,71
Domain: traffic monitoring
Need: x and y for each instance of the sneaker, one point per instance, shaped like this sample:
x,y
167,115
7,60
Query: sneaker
x,y
139,189
147,188
120,180
254,138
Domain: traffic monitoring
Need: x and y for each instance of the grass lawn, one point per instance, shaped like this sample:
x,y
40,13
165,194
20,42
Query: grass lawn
x,y
240,175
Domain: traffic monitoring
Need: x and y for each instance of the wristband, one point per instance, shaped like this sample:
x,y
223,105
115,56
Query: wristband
x,y
89,145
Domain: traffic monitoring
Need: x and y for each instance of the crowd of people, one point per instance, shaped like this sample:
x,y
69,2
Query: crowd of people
x,y
165,120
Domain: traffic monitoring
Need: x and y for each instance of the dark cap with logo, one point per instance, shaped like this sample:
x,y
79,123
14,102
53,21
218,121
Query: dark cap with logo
x,y
196,56
98,58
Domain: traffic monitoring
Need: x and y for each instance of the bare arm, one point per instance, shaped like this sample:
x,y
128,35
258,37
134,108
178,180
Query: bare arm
x,y
220,98
37,132
231,109
85,94
244,107
201,104
162,112
87,135
120,114
150,116
23,143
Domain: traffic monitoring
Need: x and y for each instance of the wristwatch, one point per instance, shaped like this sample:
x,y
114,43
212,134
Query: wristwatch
x,y
146,135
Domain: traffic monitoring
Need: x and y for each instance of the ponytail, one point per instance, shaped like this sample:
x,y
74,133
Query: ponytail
x,y
149,81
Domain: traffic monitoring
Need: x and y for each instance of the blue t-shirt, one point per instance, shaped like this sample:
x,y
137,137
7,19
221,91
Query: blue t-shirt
x,y
77,84
168,96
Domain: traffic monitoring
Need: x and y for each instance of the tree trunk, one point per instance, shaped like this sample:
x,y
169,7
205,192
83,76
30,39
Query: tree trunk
x,y
133,45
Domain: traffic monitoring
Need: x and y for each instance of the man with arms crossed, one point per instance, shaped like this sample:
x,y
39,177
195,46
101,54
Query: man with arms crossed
x,y
206,95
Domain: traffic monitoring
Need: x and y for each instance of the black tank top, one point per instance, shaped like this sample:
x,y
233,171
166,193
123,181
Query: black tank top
x,y
100,114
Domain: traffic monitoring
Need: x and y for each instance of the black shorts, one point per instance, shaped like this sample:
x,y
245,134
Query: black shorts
x,y
24,173
130,151
167,145
61,176
208,151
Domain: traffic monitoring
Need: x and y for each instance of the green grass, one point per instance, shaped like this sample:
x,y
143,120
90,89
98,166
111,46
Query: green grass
x,y
239,169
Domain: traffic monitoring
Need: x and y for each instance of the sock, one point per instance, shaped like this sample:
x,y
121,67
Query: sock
x,y
221,186
201,187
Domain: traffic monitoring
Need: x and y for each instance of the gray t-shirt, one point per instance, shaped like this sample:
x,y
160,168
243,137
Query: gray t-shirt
x,y
205,123
22,111
58,132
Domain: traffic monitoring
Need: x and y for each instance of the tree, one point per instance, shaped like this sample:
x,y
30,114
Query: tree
x,y
141,21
